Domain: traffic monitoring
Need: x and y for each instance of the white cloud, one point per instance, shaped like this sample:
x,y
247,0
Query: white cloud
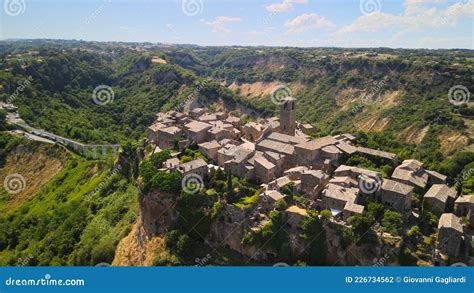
x,y
306,22
219,23
285,6
417,6
419,15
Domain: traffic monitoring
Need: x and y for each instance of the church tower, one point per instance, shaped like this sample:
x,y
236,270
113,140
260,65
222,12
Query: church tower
x,y
287,116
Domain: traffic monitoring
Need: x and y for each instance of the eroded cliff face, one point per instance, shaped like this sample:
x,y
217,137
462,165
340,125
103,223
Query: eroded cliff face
x,y
232,223
146,239
228,228
157,212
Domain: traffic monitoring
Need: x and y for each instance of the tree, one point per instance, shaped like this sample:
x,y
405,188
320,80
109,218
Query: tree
x,y
413,234
167,182
3,122
362,229
392,222
171,239
326,215
375,210
184,245
230,189
314,233
159,158
280,204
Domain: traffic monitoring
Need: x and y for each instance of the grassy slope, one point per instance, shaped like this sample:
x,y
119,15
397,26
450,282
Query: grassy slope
x,y
64,224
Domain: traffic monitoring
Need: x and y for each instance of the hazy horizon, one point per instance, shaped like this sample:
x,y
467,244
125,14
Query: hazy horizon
x,y
407,24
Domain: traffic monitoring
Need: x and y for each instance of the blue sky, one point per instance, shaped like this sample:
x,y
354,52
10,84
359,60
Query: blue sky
x,y
305,23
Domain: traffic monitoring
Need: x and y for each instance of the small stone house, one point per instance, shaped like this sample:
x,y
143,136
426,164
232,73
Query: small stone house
x,y
439,198
451,239
198,166
396,196
464,207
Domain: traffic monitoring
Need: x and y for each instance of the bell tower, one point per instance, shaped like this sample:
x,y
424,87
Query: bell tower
x,y
287,116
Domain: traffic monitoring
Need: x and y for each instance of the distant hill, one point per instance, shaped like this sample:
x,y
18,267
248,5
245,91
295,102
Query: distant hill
x,y
402,93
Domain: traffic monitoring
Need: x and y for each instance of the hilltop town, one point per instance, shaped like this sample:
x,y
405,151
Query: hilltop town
x,y
283,157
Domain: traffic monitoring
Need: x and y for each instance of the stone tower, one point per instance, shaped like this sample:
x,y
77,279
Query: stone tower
x,y
287,116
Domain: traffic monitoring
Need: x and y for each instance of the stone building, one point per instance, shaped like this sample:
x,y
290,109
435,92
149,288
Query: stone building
x,y
396,196
451,240
288,116
313,182
209,149
352,209
197,131
311,153
167,136
268,145
411,172
198,166
439,198
268,199
464,207
293,216
335,197
265,171
252,130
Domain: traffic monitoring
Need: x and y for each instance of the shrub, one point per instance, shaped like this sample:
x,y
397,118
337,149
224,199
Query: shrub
x,y
392,222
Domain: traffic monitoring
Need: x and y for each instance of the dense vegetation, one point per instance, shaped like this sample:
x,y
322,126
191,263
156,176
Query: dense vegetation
x,y
78,218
